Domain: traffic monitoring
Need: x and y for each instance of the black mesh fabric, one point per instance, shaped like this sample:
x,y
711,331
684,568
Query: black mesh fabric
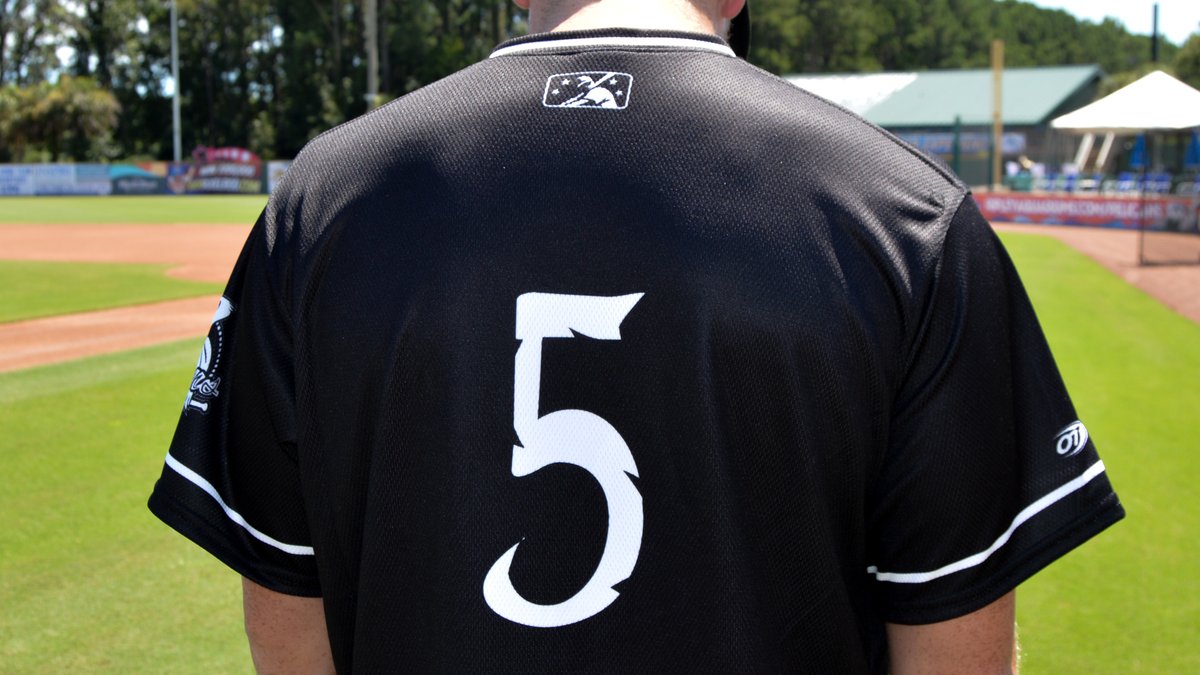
x,y
832,384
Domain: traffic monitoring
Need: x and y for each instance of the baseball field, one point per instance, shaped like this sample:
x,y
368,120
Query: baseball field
x,y
91,582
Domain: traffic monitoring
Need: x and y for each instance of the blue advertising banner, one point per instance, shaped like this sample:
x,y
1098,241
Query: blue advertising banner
x,y
54,179
130,179
970,143
216,171
16,180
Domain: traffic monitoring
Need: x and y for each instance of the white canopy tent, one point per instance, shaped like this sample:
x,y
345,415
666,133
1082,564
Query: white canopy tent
x,y
1157,102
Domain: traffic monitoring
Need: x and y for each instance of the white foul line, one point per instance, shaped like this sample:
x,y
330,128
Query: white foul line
x,y
977,559
198,480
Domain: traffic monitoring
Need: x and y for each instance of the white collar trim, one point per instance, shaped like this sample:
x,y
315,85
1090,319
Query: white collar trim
x,y
642,42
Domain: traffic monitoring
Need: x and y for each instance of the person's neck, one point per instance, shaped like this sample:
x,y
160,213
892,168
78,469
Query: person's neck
x,y
593,14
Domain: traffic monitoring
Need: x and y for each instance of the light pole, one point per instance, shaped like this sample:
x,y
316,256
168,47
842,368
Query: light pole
x,y
371,30
997,113
175,76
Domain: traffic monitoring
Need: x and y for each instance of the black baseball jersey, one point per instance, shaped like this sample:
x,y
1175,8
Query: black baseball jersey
x,y
613,353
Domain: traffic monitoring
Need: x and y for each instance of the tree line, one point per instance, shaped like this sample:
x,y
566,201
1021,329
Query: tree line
x,y
88,79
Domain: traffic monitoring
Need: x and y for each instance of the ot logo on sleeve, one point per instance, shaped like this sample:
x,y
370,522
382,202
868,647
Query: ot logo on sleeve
x,y
575,437
1072,439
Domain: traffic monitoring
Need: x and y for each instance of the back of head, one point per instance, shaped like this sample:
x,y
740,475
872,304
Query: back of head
x,y
727,18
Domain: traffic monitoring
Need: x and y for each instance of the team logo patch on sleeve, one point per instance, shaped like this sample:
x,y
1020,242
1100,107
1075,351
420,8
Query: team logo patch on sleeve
x,y
1071,440
588,90
206,384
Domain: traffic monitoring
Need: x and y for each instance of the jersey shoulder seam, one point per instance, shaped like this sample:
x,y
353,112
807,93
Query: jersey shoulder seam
x,y
940,169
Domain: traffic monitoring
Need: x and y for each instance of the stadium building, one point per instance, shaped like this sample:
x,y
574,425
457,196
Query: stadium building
x,y
926,108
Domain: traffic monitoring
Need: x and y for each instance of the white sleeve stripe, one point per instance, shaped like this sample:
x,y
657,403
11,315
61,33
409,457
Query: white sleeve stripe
x,y
198,480
977,559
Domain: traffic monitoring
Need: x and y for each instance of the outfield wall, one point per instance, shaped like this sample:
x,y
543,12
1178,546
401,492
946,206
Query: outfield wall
x,y
1175,214
54,179
146,178
1179,214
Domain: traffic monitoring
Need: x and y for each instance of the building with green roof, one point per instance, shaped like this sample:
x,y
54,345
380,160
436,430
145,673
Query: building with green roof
x,y
922,108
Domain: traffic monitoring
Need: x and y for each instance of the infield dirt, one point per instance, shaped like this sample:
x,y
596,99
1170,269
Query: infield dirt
x,y
195,252
208,252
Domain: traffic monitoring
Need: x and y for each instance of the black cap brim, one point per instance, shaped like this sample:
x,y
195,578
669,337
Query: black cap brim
x,y
739,32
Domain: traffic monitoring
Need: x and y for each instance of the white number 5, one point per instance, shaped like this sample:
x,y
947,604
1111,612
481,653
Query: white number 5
x,y
573,437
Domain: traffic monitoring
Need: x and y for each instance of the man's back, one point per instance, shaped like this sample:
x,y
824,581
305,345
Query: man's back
x,y
616,354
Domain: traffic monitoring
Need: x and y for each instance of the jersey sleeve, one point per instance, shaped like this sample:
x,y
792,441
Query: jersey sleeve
x,y
989,475
231,482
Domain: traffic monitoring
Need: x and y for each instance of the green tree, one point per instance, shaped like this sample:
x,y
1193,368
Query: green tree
x,y
864,35
124,46
935,34
71,119
30,32
779,35
12,140
100,32
1187,61
225,64
272,74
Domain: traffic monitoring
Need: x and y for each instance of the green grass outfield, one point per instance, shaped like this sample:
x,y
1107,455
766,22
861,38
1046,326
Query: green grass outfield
x,y
1129,600
90,582
37,289
150,210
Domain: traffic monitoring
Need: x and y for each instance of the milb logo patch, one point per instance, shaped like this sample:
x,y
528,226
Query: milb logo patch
x,y
588,90
206,383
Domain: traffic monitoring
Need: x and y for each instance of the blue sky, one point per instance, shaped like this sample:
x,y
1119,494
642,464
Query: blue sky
x,y
1177,19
